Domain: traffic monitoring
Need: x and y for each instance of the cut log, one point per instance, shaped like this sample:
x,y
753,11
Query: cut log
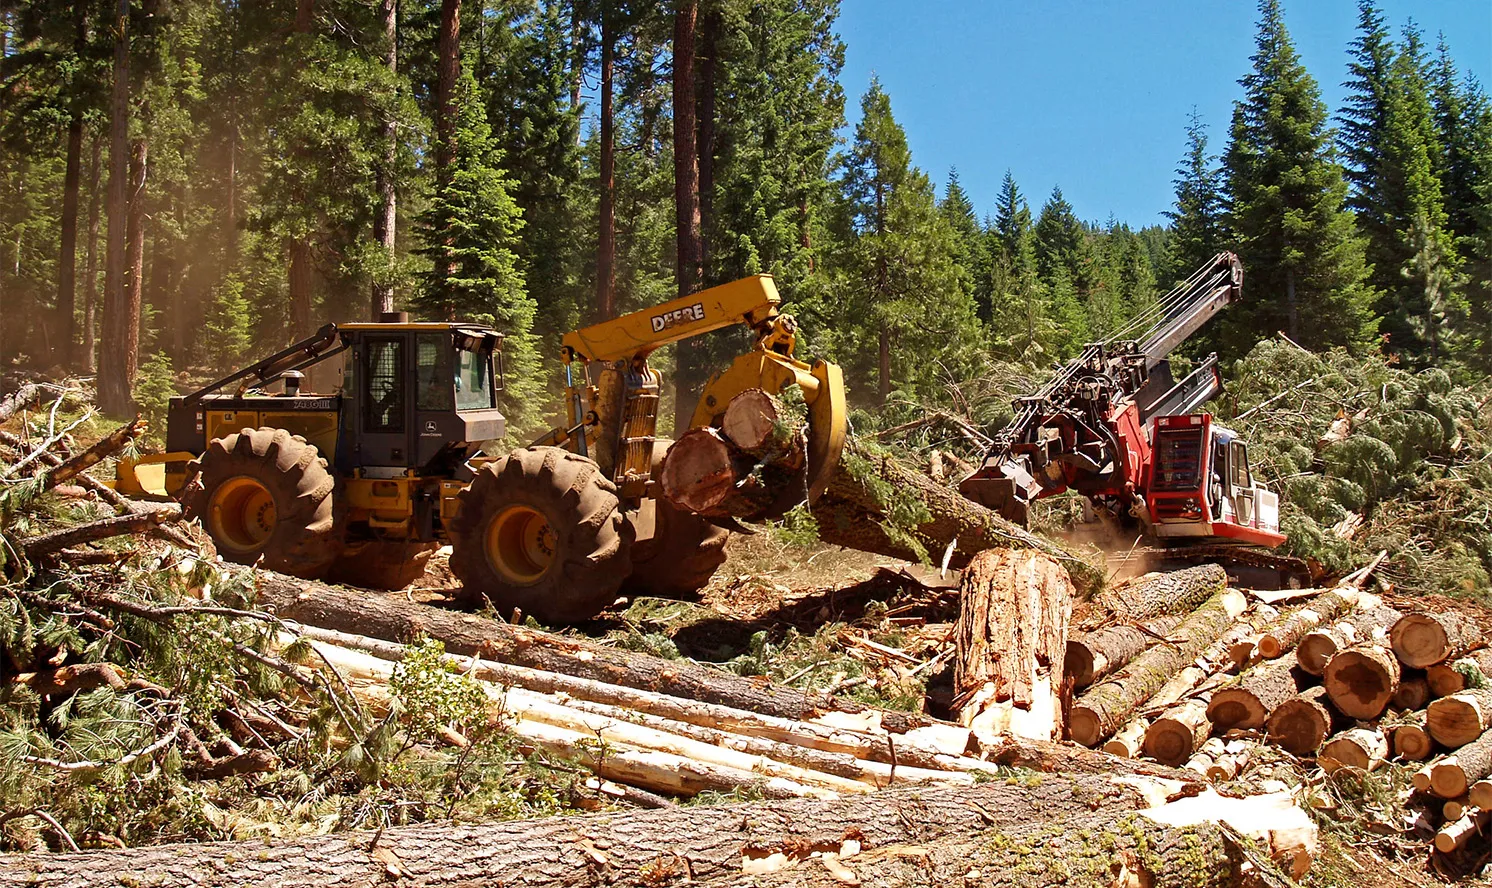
x,y
1411,742
1319,610
1460,718
902,839
1453,809
392,618
1413,692
1453,676
1207,756
1158,594
1361,681
701,472
1208,670
1176,735
23,398
1480,794
1108,704
136,522
1361,748
1423,639
1461,830
1258,692
1453,775
1301,724
1096,654
1421,778
1010,643
761,425
1368,626
875,503
1129,741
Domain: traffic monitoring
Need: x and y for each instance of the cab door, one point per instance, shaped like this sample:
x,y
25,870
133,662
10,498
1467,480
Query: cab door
x,y
1241,480
387,420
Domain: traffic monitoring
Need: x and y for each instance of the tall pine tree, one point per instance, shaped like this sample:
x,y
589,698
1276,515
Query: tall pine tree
x,y
1197,232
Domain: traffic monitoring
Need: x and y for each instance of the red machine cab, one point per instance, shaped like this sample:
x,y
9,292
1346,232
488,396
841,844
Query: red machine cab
x,y
1200,485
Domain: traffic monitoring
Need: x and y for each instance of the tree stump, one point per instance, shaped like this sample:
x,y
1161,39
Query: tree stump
x,y
1010,644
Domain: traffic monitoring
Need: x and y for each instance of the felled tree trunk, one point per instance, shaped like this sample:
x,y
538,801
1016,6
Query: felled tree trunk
x,y
1413,691
1453,775
1176,735
1301,724
1361,748
1176,592
1320,645
1010,642
705,846
1093,655
1316,612
1453,676
1104,708
1460,718
394,619
1249,701
1424,639
1361,681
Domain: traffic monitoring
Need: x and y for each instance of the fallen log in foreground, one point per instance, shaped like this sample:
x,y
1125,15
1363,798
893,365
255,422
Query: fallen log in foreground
x,y
395,619
1091,826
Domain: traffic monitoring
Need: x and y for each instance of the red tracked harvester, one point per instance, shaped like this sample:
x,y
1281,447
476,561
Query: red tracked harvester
x,y
1115,426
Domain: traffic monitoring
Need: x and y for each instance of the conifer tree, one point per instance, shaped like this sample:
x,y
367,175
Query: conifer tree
x,y
471,230
1298,243
1059,237
1197,222
971,250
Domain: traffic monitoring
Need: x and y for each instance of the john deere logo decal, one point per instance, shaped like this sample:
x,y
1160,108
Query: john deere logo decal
x,y
685,315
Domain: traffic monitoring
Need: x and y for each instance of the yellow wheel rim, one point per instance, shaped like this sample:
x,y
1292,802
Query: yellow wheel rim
x,y
521,545
241,515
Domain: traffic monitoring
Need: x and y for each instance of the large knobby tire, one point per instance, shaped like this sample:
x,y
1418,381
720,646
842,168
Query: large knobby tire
x,y
682,552
266,498
541,530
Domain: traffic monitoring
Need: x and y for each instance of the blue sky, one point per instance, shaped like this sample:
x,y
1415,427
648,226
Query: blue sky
x,y
1094,96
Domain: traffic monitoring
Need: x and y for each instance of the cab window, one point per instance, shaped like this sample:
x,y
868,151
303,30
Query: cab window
x,y
433,372
1240,465
383,407
474,389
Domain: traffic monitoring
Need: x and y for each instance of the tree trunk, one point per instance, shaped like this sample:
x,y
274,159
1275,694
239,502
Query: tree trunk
x,y
385,219
1092,656
1411,742
67,262
88,357
1248,702
1361,748
883,365
1130,741
1156,594
1425,639
1321,644
710,846
870,487
1175,736
395,619
1453,775
1319,610
1458,675
1100,711
448,71
1301,724
759,424
1009,642
709,35
302,277
1460,718
606,203
689,355
1413,692
1361,681
117,364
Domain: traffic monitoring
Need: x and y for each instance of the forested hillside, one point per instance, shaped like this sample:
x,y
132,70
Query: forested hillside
x,y
187,183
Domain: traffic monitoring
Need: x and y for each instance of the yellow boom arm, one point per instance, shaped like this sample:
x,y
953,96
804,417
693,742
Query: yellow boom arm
x,y
751,301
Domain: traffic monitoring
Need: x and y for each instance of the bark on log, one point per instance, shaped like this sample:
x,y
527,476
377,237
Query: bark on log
x,y
1461,830
1411,742
1248,702
68,679
1158,594
1453,775
1361,627
1095,654
1010,643
707,845
1105,707
1301,724
392,618
1360,748
1175,736
1423,639
1454,676
20,399
1460,718
1361,681
1321,609
865,499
